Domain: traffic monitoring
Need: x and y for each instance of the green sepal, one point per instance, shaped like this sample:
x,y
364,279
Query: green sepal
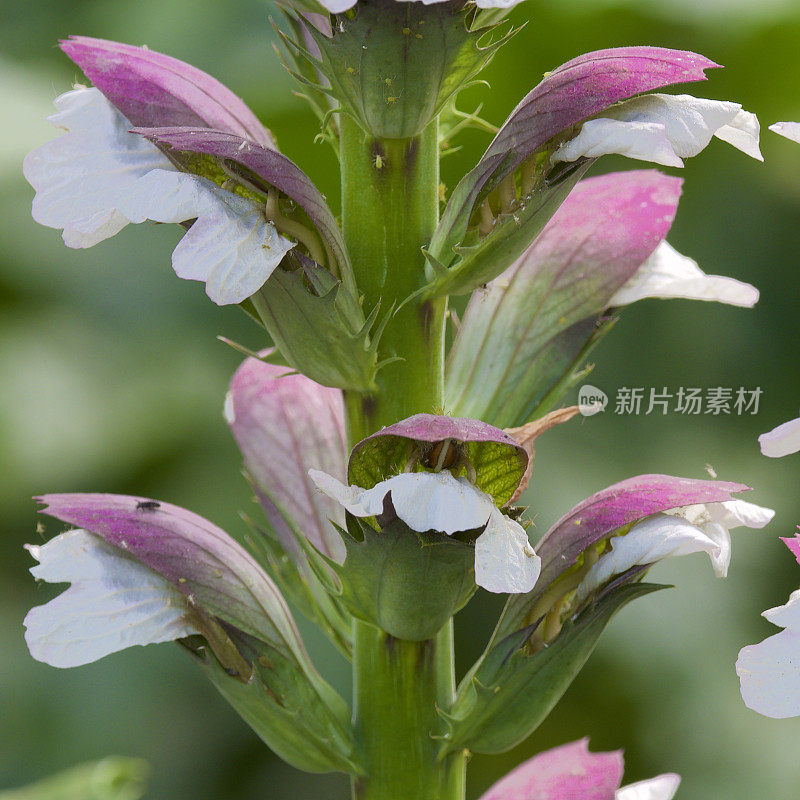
x,y
295,713
576,373
408,584
113,778
393,66
511,692
300,584
319,328
481,258
499,465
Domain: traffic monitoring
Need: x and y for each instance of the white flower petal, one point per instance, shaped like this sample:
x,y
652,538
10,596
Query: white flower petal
x,y
655,538
231,246
505,562
663,128
504,559
731,514
337,6
668,274
79,177
233,253
769,672
99,177
113,602
743,133
423,500
791,130
171,196
689,122
662,787
645,141
781,441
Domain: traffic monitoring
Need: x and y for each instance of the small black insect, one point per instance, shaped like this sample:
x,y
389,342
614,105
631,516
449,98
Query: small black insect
x,y
148,505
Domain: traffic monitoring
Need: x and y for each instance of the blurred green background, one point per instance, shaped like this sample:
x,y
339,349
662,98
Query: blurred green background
x,y
112,380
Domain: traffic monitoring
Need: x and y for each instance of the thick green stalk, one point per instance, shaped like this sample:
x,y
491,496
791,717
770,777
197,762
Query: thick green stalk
x,y
397,689
390,208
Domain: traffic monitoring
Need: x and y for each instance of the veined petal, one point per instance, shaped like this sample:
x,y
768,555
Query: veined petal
x,y
662,787
423,500
743,132
231,246
505,562
79,178
730,513
645,141
793,543
661,536
781,441
769,672
113,602
668,274
568,771
285,424
99,177
531,323
651,126
231,252
196,557
791,130
152,89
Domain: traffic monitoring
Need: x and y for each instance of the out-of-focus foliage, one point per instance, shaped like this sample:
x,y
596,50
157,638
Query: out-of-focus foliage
x,y
112,380
113,778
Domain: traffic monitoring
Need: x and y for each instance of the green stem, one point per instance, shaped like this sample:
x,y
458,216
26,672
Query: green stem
x,y
398,686
390,208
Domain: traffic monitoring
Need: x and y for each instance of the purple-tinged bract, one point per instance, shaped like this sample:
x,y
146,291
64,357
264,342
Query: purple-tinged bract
x,y
155,90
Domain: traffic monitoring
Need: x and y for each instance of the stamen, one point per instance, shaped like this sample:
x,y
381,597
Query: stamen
x,y
446,446
508,193
293,228
528,177
487,219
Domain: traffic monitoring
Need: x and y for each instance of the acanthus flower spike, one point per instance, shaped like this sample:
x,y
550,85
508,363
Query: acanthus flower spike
x,y
499,208
101,176
604,248
444,482
143,572
544,638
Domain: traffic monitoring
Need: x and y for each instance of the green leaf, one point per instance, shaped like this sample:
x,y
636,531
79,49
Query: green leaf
x,y
319,328
113,778
481,258
300,717
300,584
409,584
511,692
